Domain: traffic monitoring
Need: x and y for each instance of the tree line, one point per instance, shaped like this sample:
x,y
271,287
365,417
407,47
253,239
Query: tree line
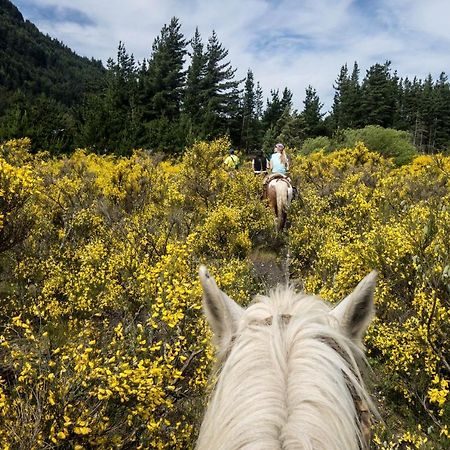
x,y
188,90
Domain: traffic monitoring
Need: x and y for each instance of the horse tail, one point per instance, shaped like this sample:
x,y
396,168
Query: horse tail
x,y
282,204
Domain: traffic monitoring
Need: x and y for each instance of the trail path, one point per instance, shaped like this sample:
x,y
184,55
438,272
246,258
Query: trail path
x,y
272,266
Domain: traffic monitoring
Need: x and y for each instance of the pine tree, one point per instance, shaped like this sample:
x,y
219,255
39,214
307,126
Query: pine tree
x,y
442,101
293,132
410,101
312,114
221,92
379,90
250,122
111,120
95,127
163,77
428,116
259,103
339,92
410,119
195,98
346,109
353,103
269,140
275,108
286,99
40,118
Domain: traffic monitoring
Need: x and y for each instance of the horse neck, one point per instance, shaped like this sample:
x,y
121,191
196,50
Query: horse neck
x,y
281,387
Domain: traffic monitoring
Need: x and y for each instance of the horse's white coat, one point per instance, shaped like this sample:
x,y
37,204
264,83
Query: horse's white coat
x,y
283,197
281,385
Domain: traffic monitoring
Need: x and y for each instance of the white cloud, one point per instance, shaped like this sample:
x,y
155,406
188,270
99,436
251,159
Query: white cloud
x,y
289,43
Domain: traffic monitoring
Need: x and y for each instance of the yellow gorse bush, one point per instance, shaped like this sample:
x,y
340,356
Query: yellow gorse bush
x,y
17,184
102,340
359,212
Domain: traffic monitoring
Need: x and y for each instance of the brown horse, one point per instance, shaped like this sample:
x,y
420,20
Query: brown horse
x,y
280,193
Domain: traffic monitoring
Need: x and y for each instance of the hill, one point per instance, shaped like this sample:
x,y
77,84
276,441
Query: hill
x,y
38,73
62,101
37,63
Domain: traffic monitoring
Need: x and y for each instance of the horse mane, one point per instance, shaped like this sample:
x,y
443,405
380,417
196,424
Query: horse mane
x,y
287,378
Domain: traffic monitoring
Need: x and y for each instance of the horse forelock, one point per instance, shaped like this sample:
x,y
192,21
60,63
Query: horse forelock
x,y
289,379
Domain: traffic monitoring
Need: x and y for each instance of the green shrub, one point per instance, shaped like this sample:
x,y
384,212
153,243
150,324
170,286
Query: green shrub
x,y
387,141
312,145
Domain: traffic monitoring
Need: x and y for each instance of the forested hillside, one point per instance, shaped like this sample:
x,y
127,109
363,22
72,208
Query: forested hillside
x,y
187,89
41,82
36,64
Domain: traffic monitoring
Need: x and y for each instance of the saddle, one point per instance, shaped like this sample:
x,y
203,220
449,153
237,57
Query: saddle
x,y
271,177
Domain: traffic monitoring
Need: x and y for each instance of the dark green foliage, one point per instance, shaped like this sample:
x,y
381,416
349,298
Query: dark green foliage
x,y
419,107
194,105
441,139
163,77
425,110
379,94
94,124
294,130
165,136
259,102
37,64
62,101
41,81
113,120
46,122
311,114
250,134
270,137
347,104
222,92
275,108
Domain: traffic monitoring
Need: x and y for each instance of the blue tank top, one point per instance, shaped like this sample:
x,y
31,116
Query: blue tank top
x,y
277,165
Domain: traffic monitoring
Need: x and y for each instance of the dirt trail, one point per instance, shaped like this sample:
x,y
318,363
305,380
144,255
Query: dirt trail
x,y
271,265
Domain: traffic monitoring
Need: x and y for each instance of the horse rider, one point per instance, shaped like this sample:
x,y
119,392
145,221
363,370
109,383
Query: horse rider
x,y
279,166
279,162
232,160
260,163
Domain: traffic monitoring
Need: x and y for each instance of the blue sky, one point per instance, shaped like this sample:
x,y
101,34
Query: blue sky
x,y
289,43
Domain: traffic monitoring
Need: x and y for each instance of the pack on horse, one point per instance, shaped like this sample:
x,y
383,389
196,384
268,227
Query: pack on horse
x,y
288,371
279,191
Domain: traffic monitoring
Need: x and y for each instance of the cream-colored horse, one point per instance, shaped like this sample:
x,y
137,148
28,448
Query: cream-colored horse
x,y
289,371
280,194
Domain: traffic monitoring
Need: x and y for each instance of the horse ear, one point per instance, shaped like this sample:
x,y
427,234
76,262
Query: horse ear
x,y
220,310
356,311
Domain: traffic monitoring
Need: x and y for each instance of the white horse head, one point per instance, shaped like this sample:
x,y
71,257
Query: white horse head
x,y
289,371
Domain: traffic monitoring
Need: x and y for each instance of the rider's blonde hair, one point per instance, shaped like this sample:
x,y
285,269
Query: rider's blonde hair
x,y
283,157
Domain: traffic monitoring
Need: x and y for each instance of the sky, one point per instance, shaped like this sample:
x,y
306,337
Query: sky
x,y
286,43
